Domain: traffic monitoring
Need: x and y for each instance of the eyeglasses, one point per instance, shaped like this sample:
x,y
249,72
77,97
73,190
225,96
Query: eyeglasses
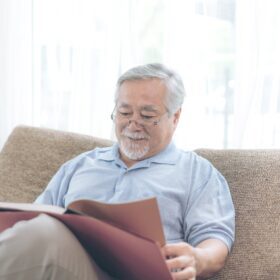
x,y
143,120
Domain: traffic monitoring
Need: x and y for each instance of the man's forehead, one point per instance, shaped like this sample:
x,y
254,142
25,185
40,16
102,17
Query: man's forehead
x,y
145,107
150,88
147,95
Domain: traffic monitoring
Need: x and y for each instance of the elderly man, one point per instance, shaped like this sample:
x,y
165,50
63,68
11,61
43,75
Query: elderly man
x,y
194,200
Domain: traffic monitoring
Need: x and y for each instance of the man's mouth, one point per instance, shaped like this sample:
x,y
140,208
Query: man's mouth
x,y
135,136
136,139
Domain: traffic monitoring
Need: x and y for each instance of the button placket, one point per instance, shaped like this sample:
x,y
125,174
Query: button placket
x,y
118,187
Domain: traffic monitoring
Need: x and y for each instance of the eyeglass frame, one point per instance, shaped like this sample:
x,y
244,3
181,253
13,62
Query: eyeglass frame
x,y
142,121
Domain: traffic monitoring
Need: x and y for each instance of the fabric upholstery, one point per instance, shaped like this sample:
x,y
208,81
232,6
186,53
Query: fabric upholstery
x,y
31,156
254,180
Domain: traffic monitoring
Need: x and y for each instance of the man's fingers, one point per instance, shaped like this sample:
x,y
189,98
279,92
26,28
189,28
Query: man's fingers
x,y
176,249
188,273
180,262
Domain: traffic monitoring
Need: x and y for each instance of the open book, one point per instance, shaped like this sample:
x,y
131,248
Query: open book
x,y
124,239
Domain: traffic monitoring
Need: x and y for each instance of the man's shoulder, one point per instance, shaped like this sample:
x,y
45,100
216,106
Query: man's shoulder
x,y
96,153
189,155
192,158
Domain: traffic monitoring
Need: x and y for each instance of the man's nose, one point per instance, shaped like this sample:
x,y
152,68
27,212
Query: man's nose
x,y
135,123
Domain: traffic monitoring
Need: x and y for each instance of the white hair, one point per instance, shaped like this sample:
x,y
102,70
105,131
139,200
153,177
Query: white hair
x,y
174,84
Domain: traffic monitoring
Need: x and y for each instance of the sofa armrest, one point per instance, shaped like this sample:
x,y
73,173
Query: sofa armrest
x,y
254,180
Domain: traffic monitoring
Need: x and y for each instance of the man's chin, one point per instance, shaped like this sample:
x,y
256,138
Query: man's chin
x,y
134,153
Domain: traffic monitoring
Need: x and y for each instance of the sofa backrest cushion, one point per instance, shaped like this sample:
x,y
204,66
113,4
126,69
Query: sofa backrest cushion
x,y
31,156
254,180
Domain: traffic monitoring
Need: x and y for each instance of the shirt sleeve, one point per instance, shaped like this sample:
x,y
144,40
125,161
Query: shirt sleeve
x,y
55,191
210,211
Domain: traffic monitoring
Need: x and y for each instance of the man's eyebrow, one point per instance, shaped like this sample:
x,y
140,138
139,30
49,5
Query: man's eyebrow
x,y
149,108
124,105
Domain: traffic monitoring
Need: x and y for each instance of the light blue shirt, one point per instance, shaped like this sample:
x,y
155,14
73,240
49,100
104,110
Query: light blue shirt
x,y
193,197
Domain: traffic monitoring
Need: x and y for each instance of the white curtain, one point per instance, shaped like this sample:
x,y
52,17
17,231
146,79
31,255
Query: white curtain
x,y
80,49
200,44
77,47
257,93
60,60
16,99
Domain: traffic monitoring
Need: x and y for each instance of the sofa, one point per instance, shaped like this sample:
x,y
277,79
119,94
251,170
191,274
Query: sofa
x,y
31,156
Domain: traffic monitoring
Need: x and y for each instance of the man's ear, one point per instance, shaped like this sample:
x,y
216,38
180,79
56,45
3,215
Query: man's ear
x,y
177,116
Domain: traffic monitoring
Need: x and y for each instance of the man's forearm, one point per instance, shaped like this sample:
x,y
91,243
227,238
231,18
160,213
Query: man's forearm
x,y
210,257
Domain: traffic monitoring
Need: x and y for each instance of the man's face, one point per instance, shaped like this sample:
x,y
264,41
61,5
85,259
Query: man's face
x,y
143,127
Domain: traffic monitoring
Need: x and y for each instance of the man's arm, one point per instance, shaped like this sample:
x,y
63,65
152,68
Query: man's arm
x,y
202,261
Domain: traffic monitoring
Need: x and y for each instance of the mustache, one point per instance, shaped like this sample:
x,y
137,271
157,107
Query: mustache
x,y
135,135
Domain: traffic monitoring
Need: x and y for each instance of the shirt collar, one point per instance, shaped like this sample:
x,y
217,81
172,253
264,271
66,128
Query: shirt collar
x,y
167,156
110,153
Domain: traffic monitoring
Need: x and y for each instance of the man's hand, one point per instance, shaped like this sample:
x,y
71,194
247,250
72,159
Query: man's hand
x,y
186,262
181,260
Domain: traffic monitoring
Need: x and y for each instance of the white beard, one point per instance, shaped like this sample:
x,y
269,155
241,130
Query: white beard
x,y
131,148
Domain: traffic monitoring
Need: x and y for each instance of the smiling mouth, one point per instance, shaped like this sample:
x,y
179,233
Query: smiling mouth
x,y
136,139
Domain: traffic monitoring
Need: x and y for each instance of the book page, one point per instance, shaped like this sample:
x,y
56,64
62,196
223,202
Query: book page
x,y
140,217
11,206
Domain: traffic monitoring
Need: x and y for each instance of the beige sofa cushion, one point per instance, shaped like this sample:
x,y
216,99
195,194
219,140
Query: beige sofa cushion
x,y
31,156
254,180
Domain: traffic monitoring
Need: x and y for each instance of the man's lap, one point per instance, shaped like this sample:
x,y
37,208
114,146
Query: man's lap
x,y
43,248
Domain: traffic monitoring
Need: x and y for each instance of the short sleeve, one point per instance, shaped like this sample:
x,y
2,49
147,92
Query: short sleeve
x,y
58,186
210,210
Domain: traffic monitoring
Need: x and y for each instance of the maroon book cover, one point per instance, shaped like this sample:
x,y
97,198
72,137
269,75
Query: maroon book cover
x,y
123,254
